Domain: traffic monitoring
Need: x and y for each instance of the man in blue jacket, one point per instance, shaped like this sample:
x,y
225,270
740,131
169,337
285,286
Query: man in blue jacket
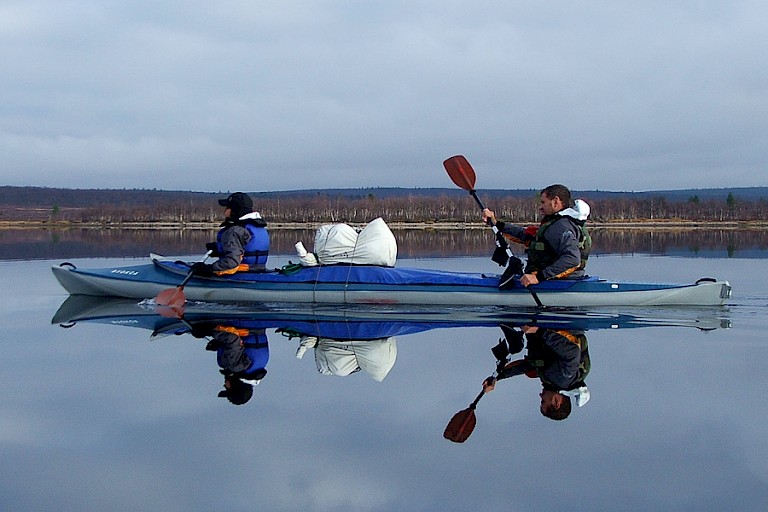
x,y
558,248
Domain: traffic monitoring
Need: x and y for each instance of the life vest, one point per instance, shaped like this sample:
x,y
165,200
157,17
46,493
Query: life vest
x,y
542,359
256,251
256,348
540,252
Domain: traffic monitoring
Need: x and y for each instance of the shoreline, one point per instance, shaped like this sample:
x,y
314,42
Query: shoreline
x,y
426,226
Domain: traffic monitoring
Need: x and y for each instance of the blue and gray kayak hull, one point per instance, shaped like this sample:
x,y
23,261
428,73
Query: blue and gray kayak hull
x,y
359,284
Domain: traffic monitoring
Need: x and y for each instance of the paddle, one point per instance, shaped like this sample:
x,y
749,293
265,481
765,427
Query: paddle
x,y
463,175
174,297
463,423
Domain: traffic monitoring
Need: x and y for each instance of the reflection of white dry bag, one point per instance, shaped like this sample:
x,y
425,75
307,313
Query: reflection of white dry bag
x,y
342,358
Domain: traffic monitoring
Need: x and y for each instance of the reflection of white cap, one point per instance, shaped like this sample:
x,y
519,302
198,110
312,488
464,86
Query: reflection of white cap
x,y
580,210
581,395
342,358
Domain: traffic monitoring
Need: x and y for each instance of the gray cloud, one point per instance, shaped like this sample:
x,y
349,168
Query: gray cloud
x,y
272,96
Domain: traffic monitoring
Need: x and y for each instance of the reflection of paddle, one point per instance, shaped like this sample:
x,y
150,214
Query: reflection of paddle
x,y
463,423
174,297
463,175
176,313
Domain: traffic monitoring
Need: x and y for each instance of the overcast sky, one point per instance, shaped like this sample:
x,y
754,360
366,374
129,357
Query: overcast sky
x,y
277,95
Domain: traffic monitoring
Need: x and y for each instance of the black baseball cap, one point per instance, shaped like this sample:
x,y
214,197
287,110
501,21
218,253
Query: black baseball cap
x,y
238,201
240,204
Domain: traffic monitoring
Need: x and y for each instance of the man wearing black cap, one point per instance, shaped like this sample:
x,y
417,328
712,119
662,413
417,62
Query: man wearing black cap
x,y
242,243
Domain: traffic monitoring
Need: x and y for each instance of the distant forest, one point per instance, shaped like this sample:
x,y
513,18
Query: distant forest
x,y
395,205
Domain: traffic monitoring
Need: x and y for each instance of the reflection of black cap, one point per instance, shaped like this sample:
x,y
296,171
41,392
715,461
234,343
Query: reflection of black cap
x,y
239,392
239,202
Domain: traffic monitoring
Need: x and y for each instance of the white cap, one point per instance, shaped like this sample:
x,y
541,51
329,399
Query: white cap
x,y
580,210
581,395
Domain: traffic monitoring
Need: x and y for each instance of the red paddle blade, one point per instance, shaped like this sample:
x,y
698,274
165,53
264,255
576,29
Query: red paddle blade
x,y
460,172
461,426
172,297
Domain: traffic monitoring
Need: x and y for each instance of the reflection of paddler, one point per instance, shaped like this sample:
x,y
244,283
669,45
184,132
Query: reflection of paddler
x,y
336,357
242,355
559,358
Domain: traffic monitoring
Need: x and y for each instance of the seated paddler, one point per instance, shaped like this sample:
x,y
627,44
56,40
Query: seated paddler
x,y
559,247
242,243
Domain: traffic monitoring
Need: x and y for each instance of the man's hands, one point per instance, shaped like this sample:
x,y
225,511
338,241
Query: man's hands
x,y
489,217
529,279
489,384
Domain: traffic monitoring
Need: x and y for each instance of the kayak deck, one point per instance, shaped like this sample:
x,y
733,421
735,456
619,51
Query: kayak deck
x,y
362,284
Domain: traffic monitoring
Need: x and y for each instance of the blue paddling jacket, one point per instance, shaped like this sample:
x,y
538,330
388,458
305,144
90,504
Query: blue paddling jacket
x,y
242,352
242,245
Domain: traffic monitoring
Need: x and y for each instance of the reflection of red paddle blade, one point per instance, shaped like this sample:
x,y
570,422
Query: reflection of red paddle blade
x,y
172,297
461,426
463,423
170,311
460,172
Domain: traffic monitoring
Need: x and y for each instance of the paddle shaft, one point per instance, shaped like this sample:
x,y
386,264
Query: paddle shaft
x,y
463,175
191,273
474,403
502,242
174,297
477,199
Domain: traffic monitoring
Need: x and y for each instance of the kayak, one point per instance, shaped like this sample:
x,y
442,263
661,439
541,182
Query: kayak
x,y
360,322
371,284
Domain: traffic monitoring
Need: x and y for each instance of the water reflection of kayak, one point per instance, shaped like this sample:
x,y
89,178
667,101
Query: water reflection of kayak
x,y
360,322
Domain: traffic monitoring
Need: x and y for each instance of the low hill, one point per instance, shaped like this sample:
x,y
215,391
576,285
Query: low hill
x,y
85,198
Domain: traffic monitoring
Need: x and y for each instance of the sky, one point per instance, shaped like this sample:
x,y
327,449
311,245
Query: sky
x,y
284,95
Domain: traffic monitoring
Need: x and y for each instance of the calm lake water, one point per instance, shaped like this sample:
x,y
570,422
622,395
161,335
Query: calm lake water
x,y
102,416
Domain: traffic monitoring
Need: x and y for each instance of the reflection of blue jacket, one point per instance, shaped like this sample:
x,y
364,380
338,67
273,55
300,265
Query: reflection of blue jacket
x,y
559,358
243,352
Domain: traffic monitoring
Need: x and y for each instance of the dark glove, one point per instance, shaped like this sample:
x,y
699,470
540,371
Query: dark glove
x,y
501,351
202,329
214,248
513,337
202,269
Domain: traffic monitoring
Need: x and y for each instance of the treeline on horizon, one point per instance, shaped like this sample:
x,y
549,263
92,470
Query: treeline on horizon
x,y
362,205
24,244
